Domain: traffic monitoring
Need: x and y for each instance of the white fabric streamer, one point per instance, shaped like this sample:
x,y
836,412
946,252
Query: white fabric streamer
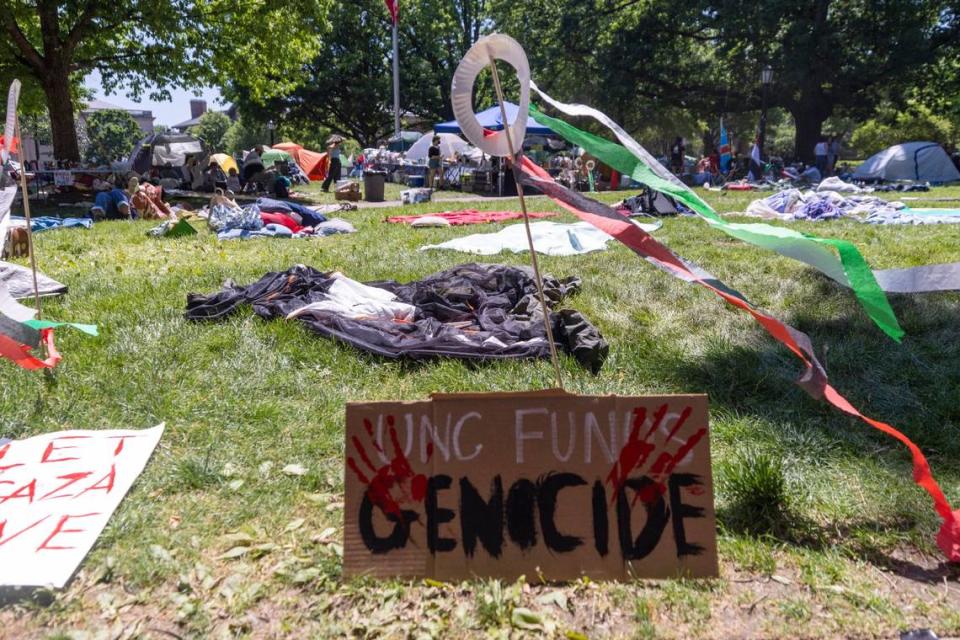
x,y
13,97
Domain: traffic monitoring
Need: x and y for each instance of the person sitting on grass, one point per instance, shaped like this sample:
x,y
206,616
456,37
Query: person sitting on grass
x,y
214,178
233,180
111,205
281,186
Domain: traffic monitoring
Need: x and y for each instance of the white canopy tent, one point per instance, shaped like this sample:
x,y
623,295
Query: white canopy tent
x,y
921,161
450,145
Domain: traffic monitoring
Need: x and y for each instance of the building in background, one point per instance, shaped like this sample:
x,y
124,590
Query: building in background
x,y
144,117
197,109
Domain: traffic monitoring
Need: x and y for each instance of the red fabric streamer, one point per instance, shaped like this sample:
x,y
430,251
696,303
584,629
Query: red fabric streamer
x,y
393,6
20,353
15,145
470,216
814,379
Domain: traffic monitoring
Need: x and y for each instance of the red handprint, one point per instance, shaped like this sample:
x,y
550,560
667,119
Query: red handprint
x,y
388,486
636,451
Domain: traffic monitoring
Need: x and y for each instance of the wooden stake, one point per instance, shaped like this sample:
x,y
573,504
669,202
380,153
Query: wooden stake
x,y
526,224
26,213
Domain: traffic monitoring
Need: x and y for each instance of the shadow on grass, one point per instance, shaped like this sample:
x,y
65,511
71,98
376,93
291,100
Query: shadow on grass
x,y
910,385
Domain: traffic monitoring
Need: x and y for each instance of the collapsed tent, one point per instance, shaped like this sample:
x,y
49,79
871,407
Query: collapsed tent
x,y
909,161
450,145
472,311
164,150
19,282
313,163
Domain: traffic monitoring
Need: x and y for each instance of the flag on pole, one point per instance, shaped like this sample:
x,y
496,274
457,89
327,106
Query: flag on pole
x,y
756,165
724,149
393,6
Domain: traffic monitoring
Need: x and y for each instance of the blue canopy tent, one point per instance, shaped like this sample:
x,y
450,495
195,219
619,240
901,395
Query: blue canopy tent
x,y
491,119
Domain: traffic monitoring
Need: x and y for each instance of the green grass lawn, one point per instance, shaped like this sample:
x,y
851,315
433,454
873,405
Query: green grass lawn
x,y
847,551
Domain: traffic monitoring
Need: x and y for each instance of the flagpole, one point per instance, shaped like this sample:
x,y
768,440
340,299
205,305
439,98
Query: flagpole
x,y
396,80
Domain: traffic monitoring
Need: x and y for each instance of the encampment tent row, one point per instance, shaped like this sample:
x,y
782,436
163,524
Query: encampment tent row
x,y
925,161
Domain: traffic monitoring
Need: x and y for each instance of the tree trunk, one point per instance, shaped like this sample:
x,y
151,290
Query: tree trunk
x,y
709,142
56,86
809,125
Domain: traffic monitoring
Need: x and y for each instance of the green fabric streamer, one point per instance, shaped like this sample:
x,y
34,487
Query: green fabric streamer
x,y
89,329
850,269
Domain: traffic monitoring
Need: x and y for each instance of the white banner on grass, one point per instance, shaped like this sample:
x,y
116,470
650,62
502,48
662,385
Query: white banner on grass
x,y
57,492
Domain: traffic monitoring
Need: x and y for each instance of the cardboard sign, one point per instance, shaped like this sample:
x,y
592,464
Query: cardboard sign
x,y
62,178
542,484
57,491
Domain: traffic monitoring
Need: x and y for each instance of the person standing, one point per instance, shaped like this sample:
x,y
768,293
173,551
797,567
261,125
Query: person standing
x,y
677,151
252,164
333,173
820,153
834,153
434,162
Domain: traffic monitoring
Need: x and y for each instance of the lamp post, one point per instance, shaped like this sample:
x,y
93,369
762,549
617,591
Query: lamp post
x,y
766,78
271,127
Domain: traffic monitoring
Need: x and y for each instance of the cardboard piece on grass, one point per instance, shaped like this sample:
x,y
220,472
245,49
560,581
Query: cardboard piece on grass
x,y
541,484
59,491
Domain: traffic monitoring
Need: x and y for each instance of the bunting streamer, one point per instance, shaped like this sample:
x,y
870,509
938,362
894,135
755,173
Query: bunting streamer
x,y
807,248
814,379
20,334
849,268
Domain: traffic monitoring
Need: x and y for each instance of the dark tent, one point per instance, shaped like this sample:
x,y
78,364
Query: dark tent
x,y
162,150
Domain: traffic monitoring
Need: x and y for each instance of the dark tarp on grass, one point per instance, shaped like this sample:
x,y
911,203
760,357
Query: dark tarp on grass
x,y
472,311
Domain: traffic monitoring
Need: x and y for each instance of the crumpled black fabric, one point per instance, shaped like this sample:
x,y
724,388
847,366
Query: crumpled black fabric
x,y
472,311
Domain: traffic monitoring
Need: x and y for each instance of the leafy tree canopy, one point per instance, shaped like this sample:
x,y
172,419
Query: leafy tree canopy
x,y
892,126
111,135
148,46
244,134
347,86
212,128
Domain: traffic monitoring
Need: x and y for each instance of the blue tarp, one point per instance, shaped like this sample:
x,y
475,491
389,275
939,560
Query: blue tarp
x,y
491,119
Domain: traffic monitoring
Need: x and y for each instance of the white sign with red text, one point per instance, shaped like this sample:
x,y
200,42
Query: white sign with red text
x,y
57,492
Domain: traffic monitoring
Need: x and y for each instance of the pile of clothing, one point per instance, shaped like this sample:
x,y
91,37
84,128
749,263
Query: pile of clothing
x,y
270,218
793,204
472,311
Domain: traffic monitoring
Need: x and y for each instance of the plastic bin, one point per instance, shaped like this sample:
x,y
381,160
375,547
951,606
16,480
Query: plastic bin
x,y
373,185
